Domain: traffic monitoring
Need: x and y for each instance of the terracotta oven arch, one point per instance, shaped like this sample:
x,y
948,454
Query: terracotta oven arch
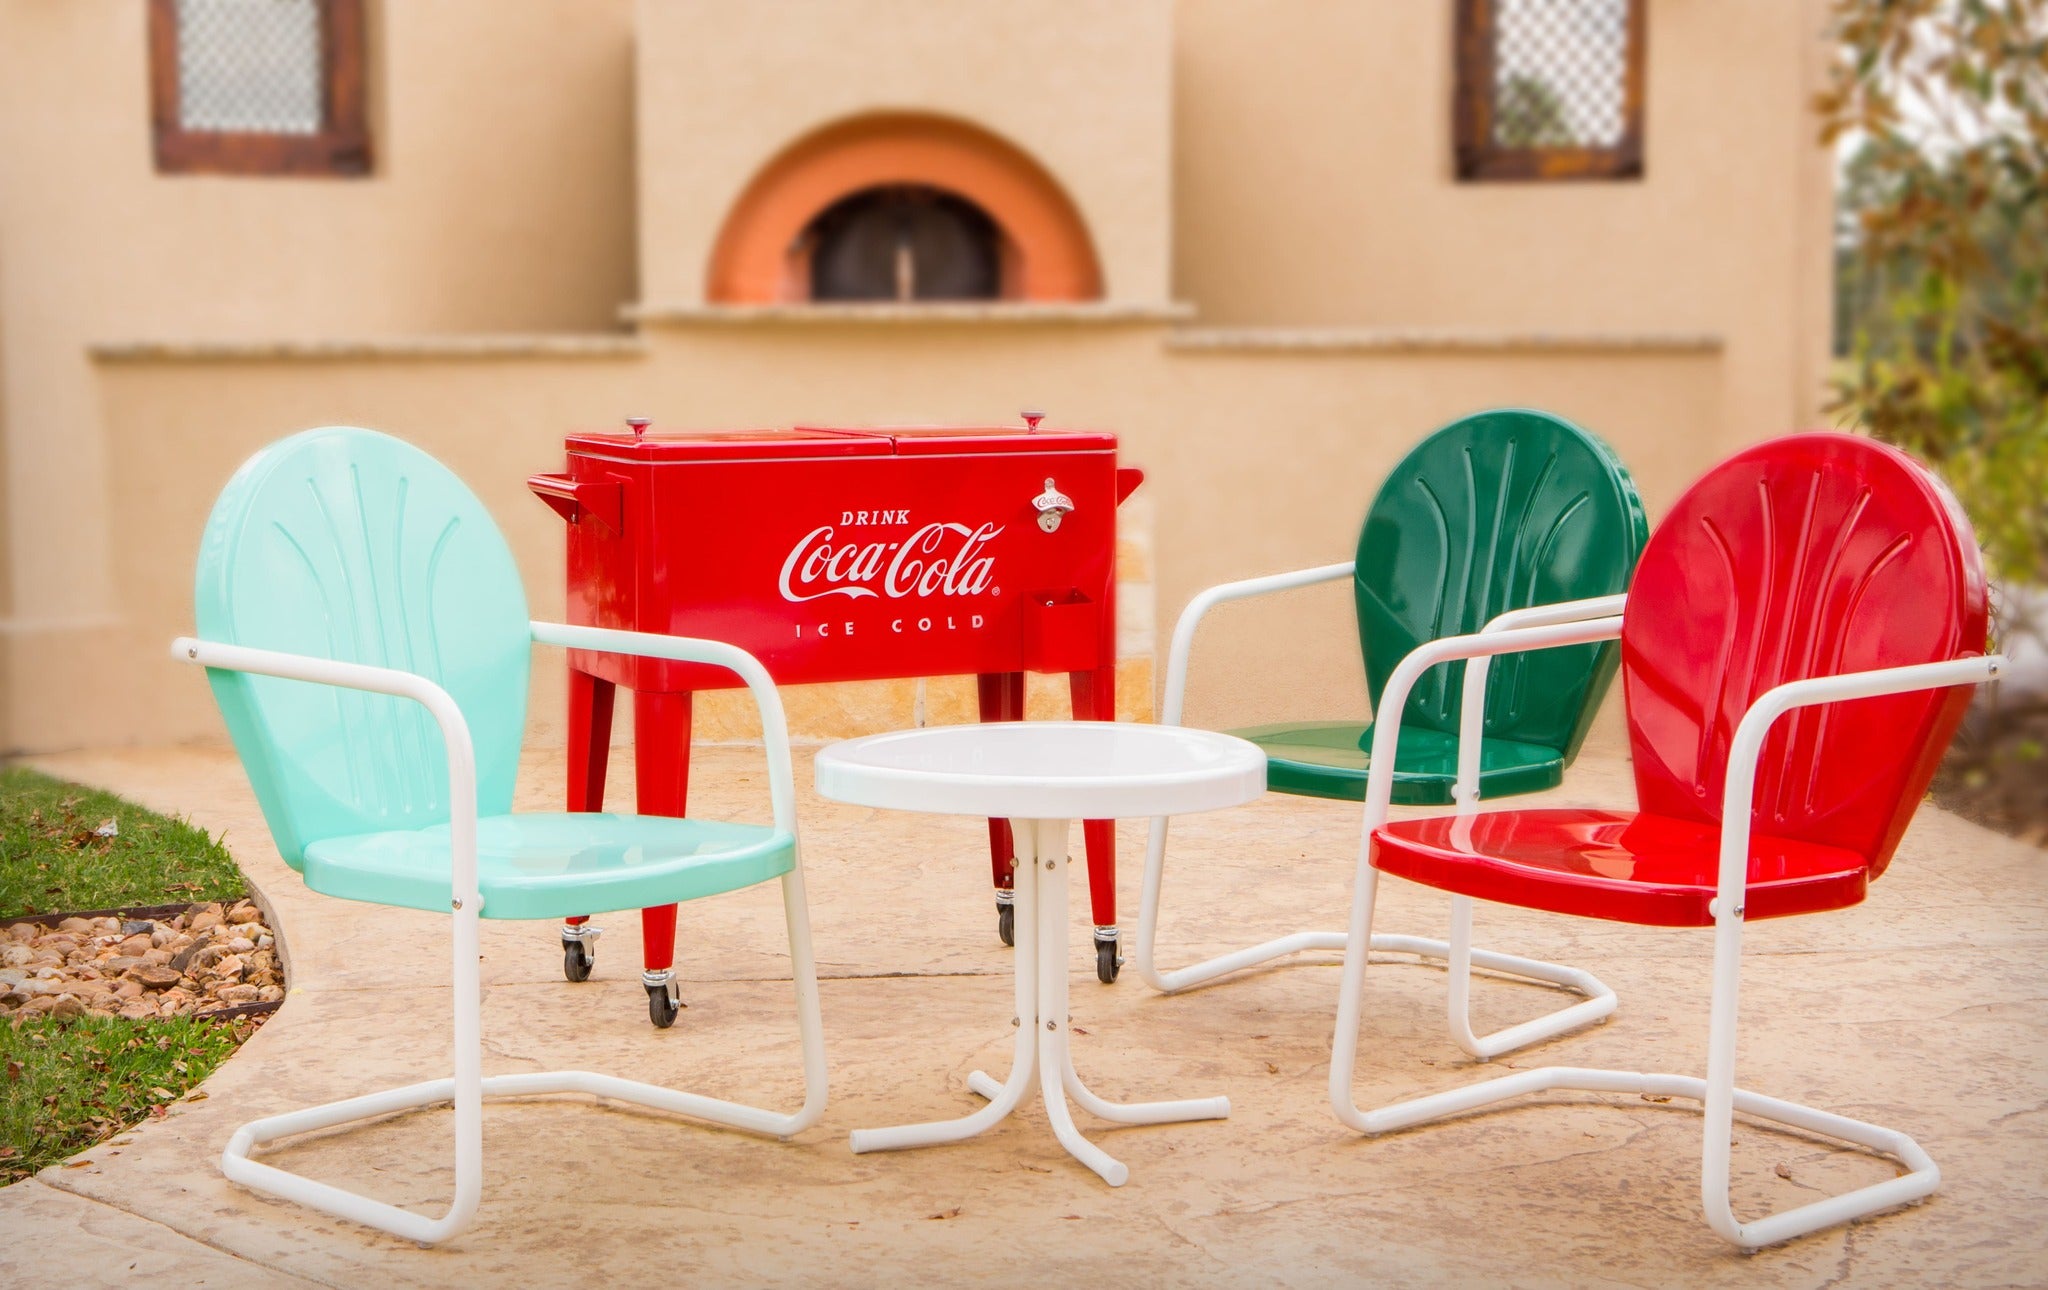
x,y
760,256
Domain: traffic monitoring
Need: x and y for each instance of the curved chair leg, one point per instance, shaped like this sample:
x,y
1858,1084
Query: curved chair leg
x,y
1717,1093
470,1087
1457,952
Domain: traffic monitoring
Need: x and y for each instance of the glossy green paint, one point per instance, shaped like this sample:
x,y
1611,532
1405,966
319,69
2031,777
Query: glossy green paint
x,y
1326,759
346,544
1501,510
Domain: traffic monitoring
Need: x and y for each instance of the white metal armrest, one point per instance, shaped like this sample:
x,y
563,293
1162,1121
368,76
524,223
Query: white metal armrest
x,y
693,649
1386,729
1472,704
1204,601
1730,890
379,680
1747,746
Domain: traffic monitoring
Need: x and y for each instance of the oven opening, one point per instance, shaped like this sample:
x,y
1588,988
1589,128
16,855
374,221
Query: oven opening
x,y
904,242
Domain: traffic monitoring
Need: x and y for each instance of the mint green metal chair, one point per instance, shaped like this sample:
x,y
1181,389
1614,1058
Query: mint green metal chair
x,y
1503,519
366,637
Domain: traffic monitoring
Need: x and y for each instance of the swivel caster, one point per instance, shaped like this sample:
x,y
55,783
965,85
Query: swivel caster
x,y
1107,960
664,1001
576,960
579,949
1006,921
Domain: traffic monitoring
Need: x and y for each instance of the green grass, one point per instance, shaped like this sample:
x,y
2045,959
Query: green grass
x,y
51,859
70,1084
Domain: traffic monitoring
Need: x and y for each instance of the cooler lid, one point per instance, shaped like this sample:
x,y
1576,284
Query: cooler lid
x,y
726,445
928,441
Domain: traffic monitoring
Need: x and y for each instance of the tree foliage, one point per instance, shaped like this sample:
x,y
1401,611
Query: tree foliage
x,y
1945,234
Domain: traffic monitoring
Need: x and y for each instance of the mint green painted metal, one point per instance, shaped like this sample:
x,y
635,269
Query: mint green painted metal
x,y
553,865
1497,511
347,544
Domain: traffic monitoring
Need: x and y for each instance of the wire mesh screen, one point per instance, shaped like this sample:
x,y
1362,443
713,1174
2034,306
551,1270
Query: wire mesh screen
x,y
1560,73
250,66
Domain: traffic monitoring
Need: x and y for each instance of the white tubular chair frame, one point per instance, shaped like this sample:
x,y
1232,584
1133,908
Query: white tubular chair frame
x,y
1717,1093
1457,952
469,1086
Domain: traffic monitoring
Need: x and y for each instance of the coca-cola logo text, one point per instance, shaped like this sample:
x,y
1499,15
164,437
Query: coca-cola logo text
x,y
938,559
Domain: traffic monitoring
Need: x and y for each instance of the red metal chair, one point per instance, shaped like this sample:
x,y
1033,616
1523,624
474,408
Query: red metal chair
x,y
1794,577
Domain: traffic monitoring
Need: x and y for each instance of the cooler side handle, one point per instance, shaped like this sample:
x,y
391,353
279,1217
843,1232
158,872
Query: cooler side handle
x,y
1127,480
573,499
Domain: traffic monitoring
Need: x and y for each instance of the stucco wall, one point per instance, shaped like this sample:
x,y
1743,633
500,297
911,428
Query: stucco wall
x,y
1285,167
1255,462
1314,186
1082,86
500,199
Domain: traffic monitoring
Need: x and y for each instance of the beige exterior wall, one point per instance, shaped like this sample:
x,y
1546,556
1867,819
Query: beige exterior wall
x,y
1083,86
501,200
1255,461
1283,168
1314,187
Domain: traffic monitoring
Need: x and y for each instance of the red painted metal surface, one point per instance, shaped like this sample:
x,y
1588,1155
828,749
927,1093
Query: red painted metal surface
x,y
1811,555
839,554
1648,869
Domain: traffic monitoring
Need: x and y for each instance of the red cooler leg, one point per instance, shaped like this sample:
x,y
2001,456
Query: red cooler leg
x,y
661,745
1001,698
590,738
1094,698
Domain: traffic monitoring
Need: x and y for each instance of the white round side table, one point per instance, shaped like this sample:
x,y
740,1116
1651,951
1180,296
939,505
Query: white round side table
x,y
1041,775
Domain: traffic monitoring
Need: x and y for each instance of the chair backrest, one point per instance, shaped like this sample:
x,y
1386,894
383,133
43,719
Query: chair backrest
x,y
348,544
1497,511
1811,555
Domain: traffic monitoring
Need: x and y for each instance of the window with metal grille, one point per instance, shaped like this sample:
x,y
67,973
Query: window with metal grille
x,y
1549,89
258,86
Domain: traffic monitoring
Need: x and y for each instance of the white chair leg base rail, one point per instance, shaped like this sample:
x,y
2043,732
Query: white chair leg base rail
x,y
469,1087
236,1163
1920,1180
1043,1059
1458,954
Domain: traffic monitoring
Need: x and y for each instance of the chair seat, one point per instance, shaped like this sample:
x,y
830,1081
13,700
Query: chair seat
x,y
1329,759
1625,866
548,865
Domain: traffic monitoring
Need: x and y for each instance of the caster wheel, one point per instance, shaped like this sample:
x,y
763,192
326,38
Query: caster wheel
x,y
1106,962
663,1003
1006,922
576,960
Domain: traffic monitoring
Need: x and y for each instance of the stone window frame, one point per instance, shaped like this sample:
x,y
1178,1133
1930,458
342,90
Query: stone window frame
x,y
1478,157
340,148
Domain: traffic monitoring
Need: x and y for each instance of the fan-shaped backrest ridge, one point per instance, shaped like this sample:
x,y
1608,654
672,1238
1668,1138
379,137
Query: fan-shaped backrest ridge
x,y
1497,511
1811,555
347,544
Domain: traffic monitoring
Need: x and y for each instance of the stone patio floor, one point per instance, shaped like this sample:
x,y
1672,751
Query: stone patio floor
x,y
1925,1008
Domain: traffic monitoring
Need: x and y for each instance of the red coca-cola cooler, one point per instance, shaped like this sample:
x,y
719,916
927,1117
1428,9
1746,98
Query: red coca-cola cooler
x,y
835,555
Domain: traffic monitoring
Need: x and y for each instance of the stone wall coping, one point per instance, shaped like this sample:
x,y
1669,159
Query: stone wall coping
x,y
1108,312
1433,340
569,345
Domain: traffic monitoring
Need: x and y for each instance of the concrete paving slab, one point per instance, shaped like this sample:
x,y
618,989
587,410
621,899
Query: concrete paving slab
x,y
1922,1009
57,1237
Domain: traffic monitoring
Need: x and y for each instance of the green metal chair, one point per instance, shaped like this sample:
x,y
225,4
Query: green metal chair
x,y
1509,518
366,637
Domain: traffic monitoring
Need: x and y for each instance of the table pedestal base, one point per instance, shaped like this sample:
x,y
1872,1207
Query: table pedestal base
x,y
1043,1059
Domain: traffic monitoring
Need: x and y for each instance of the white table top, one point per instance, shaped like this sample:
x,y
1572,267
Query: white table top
x,y
1045,770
